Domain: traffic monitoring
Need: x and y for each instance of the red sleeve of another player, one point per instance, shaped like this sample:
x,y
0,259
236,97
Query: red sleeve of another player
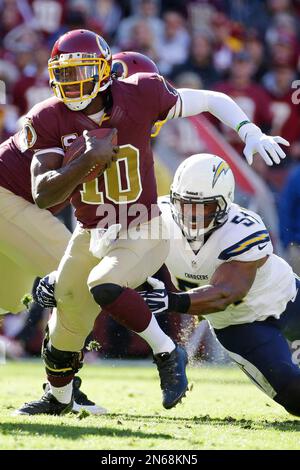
x,y
40,129
158,95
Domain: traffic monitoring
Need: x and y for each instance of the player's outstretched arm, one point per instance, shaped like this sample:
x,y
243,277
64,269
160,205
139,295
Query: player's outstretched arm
x,y
52,184
192,102
229,285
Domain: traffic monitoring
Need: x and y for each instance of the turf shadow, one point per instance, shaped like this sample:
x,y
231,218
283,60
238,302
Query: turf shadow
x,y
64,431
287,425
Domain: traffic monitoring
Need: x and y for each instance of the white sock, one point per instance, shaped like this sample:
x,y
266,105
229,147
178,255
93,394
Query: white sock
x,y
62,394
158,341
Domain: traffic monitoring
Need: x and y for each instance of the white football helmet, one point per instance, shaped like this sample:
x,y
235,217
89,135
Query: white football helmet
x,y
200,180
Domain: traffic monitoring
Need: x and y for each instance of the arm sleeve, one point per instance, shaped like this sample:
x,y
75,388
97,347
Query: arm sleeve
x,y
218,104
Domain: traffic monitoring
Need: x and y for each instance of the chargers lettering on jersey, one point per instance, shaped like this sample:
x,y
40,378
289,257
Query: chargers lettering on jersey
x,y
257,238
198,277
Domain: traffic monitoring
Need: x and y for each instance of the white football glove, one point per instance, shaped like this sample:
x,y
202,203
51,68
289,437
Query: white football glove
x,y
258,142
157,299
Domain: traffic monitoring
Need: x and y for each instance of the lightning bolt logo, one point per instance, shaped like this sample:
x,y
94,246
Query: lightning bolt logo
x,y
223,167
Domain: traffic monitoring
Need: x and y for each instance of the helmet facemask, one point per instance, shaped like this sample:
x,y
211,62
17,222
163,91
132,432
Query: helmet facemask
x,y
70,70
198,217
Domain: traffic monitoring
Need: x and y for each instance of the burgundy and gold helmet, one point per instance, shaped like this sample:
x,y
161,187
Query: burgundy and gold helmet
x,y
77,58
125,64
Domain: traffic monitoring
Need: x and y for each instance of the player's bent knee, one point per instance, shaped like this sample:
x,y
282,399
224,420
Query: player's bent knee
x,y
289,397
105,294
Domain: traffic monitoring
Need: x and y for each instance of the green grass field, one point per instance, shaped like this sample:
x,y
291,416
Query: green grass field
x,y
223,411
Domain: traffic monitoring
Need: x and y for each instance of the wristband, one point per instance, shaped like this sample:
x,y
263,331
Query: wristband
x,y
179,303
241,124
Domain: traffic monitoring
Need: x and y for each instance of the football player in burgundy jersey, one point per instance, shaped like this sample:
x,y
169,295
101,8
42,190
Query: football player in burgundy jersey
x,y
32,240
125,64
26,229
113,249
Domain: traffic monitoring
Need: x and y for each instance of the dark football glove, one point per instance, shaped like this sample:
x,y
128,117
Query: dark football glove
x,y
44,293
157,299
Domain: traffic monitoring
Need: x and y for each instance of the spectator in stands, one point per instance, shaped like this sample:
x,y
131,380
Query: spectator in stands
x,y
9,74
10,17
285,112
22,38
33,85
47,15
199,60
148,12
252,98
142,40
74,19
283,50
254,45
175,42
106,14
226,44
8,121
282,20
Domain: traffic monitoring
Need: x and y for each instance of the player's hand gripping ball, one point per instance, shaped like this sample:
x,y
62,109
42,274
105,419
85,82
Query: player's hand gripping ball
x,y
99,145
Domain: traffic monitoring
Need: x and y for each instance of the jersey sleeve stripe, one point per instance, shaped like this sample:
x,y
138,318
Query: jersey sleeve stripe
x,y
50,150
176,110
245,244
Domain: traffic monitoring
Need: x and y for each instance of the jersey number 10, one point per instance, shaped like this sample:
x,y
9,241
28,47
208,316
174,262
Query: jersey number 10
x,y
116,189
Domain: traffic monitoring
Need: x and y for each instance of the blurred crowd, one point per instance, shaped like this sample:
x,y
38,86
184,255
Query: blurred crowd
x,y
249,49
246,48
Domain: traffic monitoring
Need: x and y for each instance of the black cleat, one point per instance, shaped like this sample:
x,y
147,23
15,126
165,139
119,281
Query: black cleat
x,y
173,379
47,405
81,401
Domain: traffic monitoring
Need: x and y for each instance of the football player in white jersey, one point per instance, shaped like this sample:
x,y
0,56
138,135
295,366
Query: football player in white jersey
x,y
246,292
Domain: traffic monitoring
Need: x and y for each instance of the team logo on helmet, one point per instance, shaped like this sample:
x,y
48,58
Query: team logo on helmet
x,y
119,69
104,48
223,167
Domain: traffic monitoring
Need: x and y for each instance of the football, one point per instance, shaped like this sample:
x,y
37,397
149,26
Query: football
x,y
78,147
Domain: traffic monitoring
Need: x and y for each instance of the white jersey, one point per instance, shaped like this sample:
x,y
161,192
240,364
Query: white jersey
x,y
243,237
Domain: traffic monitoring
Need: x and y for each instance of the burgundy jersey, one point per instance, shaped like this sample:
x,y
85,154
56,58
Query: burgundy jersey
x,y
15,172
137,103
15,169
